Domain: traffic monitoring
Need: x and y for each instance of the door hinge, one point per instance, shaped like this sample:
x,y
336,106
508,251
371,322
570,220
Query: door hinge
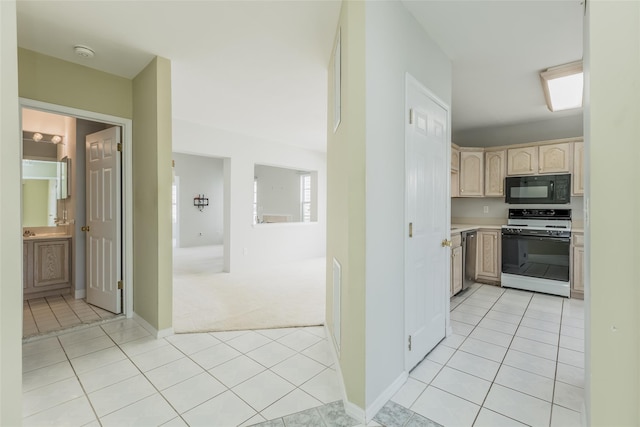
x,y
409,342
410,116
120,146
120,284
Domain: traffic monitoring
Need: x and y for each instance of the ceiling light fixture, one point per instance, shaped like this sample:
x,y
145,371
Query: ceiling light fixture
x,y
37,137
56,139
84,51
563,86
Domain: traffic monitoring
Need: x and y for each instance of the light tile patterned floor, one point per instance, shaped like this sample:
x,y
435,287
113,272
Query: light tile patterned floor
x,y
54,313
515,358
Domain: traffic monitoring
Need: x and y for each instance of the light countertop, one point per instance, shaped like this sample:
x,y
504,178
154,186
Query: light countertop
x,y
458,228
44,236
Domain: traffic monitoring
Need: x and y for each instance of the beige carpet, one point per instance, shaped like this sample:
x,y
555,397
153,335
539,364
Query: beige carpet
x,y
204,299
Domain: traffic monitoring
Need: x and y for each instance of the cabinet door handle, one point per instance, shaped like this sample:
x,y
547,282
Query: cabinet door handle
x,y
410,229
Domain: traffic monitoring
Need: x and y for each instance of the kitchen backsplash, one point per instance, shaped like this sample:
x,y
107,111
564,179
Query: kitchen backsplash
x,y
493,208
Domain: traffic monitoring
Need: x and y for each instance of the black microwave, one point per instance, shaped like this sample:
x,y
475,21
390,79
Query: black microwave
x,y
538,189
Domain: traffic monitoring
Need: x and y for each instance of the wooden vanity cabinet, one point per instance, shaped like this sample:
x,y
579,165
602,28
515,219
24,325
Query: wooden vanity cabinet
x,y
46,267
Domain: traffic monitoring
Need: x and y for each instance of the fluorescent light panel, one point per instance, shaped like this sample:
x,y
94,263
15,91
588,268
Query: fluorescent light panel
x,y
563,86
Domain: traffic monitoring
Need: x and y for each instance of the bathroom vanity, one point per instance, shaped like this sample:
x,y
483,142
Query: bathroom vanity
x,y
46,265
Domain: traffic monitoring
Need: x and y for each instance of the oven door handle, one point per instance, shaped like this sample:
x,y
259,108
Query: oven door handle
x,y
528,237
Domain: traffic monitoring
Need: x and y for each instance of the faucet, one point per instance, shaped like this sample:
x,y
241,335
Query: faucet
x,y
28,233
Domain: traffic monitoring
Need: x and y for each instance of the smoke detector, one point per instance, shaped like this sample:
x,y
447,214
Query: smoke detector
x,y
83,51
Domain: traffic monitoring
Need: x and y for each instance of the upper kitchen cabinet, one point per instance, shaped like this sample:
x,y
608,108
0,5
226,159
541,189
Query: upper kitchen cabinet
x,y
554,158
522,160
495,167
471,173
455,169
455,158
578,169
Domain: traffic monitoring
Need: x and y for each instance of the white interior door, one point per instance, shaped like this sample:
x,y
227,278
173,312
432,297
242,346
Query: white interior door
x,y
427,262
103,253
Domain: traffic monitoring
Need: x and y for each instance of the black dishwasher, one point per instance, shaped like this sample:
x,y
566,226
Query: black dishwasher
x,y
469,246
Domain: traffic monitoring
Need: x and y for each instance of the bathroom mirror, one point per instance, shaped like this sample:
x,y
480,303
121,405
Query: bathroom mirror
x,y
44,190
283,195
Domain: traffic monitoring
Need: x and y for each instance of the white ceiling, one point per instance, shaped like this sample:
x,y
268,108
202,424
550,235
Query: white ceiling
x,y
259,67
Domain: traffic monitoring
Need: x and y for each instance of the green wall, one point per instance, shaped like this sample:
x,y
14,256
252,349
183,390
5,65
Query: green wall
x,y
53,80
10,231
147,101
346,200
612,133
152,177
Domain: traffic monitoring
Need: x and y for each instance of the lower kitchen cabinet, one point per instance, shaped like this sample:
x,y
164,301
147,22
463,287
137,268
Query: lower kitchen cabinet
x,y
456,264
489,256
46,267
577,266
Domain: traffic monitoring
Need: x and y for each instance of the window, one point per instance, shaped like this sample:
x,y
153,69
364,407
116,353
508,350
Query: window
x,y
305,197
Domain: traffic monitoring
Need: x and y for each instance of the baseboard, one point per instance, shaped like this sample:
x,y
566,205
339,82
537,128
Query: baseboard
x,y
385,396
80,294
351,409
153,331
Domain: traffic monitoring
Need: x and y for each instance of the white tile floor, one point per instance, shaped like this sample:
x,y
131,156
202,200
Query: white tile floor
x,y
117,374
57,312
515,358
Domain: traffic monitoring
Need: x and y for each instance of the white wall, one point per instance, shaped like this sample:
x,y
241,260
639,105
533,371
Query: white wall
x,y
10,228
567,126
257,246
395,44
200,175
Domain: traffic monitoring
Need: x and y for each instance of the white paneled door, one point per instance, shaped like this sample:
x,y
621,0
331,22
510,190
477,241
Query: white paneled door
x,y
427,261
103,210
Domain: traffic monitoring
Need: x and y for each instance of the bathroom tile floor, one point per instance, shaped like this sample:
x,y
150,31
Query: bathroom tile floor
x,y
514,358
47,314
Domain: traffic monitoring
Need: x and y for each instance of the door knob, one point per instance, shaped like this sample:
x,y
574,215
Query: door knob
x,y
446,243
85,228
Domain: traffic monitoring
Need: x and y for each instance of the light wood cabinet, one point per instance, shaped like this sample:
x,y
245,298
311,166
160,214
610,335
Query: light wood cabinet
x,y
554,158
456,264
495,172
577,266
577,178
455,159
489,256
471,173
522,160
455,184
46,267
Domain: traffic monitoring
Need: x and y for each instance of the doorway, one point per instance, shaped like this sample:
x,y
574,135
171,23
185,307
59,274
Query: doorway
x,y
66,307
